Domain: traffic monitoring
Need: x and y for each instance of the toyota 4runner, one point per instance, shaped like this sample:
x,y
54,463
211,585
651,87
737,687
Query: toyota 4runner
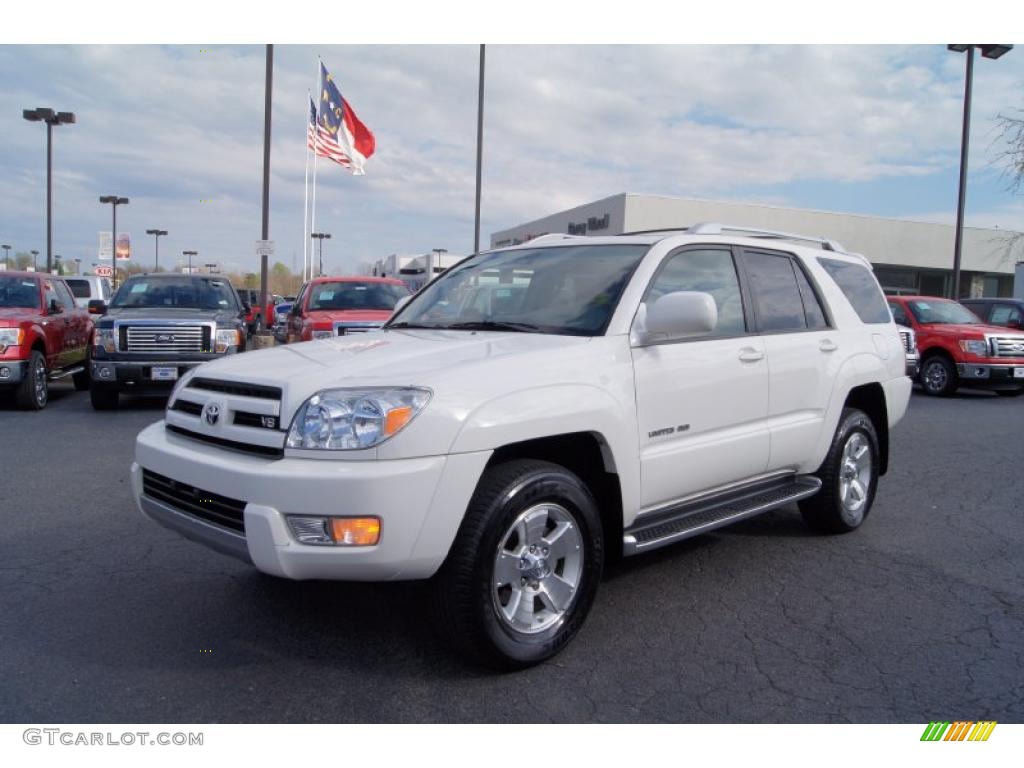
x,y
623,393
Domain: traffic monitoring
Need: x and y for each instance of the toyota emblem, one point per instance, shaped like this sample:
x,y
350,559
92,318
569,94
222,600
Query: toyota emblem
x,y
211,413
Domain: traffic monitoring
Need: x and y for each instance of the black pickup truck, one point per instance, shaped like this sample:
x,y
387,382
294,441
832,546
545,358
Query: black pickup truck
x,y
156,328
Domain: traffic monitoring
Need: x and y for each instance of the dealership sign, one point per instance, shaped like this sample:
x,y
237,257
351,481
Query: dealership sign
x,y
124,246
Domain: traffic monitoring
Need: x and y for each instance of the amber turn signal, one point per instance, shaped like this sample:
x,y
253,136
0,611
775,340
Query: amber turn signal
x,y
355,531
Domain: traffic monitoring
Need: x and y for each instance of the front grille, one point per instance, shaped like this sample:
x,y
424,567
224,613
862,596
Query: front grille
x,y
207,506
236,388
1008,346
186,406
908,342
257,450
165,338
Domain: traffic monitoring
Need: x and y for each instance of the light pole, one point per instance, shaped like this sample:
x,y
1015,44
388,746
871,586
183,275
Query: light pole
x,y
157,233
7,255
51,118
35,266
989,52
190,254
56,263
321,236
114,201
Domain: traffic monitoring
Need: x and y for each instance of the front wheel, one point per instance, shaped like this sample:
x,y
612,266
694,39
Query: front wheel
x,y
938,377
33,391
524,568
849,477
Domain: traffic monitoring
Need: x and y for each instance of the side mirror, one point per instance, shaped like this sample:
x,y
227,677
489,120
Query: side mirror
x,y
246,306
399,304
97,307
295,311
678,315
55,307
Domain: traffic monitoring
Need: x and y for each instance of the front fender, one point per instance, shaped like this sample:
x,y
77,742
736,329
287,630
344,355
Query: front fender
x,y
547,411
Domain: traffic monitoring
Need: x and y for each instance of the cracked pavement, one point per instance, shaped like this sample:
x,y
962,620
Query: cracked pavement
x,y
918,616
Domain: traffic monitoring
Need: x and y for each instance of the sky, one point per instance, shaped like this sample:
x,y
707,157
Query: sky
x,y
178,130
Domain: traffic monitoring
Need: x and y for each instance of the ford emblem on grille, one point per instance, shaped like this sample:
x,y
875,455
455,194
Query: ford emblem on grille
x,y
211,413
165,338
1016,347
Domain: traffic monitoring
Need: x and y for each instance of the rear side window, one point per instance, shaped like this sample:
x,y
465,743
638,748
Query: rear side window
x,y
776,293
860,289
80,288
1004,314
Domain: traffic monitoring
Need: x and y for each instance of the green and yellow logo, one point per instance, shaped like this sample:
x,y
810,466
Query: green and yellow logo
x,y
959,731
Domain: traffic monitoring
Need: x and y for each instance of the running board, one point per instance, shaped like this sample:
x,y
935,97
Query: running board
x,y
64,374
707,514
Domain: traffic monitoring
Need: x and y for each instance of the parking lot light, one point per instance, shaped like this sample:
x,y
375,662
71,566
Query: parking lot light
x,y
51,118
114,201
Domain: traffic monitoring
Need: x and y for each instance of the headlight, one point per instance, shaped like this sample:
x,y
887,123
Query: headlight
x,y
105,338
228,337
323,335
351,419
10,337
976,347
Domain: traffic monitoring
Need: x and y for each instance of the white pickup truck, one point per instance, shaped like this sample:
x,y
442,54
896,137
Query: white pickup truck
x,y
610,396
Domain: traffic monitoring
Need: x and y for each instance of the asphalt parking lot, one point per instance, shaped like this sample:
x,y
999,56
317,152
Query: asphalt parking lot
x,y
918,616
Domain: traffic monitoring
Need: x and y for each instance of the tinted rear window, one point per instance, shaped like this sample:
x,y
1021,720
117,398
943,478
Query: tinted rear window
x,y
80,288
860,288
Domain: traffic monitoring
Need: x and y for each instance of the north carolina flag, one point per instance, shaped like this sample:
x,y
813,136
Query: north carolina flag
x,y
340,136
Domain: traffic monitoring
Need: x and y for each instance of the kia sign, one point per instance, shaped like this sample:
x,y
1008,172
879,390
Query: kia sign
x,y
104,271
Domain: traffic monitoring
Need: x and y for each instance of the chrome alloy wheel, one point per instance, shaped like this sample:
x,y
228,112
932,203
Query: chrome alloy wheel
x,y
855,478
537,568
935,377
40,390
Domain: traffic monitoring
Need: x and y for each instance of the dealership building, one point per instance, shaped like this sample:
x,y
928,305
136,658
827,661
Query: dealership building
x,y
909,257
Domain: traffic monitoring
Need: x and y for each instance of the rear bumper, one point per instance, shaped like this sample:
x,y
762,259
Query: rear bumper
x,y
991,376
12,371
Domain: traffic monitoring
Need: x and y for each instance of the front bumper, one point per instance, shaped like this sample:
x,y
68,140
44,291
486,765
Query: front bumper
x,y
991,376
913,365
420,502
12,372
137,374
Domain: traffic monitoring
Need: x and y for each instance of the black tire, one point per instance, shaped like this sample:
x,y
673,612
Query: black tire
x,y
938,376
82,379
33,391
104,397
1010,392
466,596
828,511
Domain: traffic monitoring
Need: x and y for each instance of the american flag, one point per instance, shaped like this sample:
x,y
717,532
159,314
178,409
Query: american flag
x,y
334,130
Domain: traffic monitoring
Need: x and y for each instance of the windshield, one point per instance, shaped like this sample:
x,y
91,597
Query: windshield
x,y
175,293
566,290
19,292
942,312
352,294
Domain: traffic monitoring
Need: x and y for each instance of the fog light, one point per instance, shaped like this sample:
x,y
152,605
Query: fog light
x,y
982,373
355,531
105,372
340,531
5,373
310,530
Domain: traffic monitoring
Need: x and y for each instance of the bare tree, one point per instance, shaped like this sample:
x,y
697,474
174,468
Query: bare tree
x,y
1010,155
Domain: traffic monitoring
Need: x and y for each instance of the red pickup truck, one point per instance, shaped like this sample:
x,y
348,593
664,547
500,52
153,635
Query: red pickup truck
x,y
337,306
44,335
958,349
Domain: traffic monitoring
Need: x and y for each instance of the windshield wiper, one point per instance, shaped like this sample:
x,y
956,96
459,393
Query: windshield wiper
x,y
495,325
404,324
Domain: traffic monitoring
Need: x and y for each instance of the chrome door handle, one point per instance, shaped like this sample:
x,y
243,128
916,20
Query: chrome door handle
x,y
750,355
827,345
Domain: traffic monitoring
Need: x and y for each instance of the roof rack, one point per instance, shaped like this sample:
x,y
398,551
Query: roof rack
x,y
714,228
553,236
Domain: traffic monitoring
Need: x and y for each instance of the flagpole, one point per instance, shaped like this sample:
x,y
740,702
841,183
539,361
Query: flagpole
x,y
479,151
305,202
316,140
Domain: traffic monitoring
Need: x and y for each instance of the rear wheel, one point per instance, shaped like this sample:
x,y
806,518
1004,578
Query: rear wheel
x,y
103,396
849,477
33,391
524,568
939,377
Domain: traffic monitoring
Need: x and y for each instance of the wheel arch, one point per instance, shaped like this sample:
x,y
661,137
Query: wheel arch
x,y
870,398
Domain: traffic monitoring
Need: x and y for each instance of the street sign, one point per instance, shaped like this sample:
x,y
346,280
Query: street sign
x,y
104,271
265,248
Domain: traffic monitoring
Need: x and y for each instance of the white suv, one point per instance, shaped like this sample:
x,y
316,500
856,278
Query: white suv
x,y
612,395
